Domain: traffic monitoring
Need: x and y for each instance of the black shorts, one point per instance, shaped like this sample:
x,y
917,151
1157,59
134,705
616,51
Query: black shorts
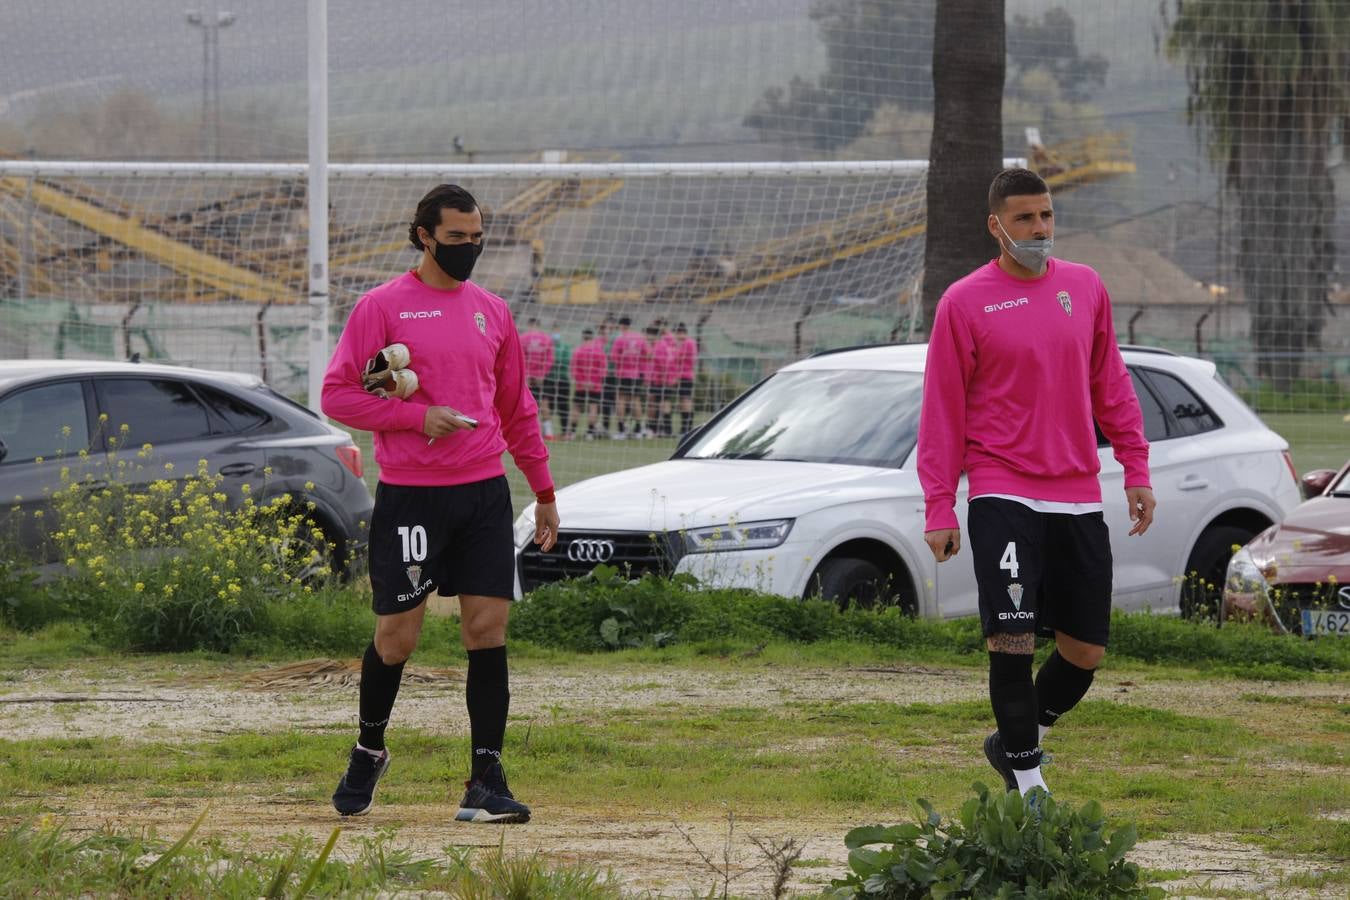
x,y
1041,572
686,388
658,393
583,396
630,387
455,540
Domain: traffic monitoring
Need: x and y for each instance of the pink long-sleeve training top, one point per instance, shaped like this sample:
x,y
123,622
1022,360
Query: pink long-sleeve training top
x,y
1016,371
464,347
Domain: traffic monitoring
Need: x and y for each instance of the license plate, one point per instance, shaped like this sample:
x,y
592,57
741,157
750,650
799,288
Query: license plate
x,y
1326,621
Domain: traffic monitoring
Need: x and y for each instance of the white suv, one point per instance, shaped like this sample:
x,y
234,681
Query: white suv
x,y
806,485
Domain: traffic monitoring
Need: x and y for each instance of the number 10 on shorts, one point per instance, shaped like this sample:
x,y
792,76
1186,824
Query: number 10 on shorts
x,y
1008,561
415,543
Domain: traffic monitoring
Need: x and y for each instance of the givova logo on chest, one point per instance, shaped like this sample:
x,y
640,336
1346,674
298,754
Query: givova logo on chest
x,y
1007,304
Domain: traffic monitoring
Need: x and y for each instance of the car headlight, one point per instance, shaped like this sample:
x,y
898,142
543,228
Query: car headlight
x,y
737,536
1245,578
524,527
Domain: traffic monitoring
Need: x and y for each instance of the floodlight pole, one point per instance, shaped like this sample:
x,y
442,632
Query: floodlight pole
x,y
318,198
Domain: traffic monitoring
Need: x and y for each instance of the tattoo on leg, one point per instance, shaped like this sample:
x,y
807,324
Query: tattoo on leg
x,y
1003,642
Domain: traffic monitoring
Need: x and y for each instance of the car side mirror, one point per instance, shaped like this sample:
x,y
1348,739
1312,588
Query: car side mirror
x,y
4,451
1315,483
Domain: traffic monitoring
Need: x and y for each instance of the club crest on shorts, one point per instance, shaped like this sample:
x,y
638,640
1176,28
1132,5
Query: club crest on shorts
x,y
481,321
415,575
1065,302
1015,594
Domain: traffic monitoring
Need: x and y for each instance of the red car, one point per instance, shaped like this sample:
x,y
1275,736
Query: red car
x,y
1296,574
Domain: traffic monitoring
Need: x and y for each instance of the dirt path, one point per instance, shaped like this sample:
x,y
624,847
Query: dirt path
x,y
646,848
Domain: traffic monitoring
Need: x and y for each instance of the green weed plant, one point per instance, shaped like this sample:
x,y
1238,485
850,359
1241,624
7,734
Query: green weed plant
x,y
1000,848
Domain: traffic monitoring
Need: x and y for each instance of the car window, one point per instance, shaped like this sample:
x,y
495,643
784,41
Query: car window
x,y
47,421
238,415
155,411
1189,411
1155,420
863,418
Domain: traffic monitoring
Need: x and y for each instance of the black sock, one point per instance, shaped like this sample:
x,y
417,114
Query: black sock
x,y
1059,686
379,687
489,697
1013,696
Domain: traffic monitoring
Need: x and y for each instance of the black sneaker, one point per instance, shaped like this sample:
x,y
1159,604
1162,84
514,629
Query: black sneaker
x,y
355,793
993,751
488,799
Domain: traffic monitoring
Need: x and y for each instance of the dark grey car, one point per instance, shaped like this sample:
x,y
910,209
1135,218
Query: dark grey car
x,y
240,426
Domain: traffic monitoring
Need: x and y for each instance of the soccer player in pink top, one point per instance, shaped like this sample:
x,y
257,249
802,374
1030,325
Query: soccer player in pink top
x,y
686,367
629,357
442,519
589,367
1022,358
664,377
537,346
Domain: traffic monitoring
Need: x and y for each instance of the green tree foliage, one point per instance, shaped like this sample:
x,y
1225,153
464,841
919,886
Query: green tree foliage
x,y
877,52
1269,82
1049,44
875,97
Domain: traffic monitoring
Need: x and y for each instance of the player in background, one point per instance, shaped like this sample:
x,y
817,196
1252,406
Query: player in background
x,y
537,345
661,379
686,369
590,368
629,358
557,385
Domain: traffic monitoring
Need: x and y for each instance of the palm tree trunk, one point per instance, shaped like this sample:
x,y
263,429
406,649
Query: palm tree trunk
x,y
969,63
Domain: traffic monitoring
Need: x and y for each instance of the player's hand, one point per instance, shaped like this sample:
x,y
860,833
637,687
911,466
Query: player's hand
x,y
1141,508
945,543
442,420
546,525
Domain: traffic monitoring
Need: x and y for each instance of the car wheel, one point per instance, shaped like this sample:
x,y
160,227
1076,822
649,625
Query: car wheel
x,y
847,581
1202,581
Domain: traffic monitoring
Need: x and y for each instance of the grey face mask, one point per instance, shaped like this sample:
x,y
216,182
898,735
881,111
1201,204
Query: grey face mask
x,y
1032,254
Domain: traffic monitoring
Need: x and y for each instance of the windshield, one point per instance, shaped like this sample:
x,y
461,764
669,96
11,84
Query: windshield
x,y
858,418
1341,487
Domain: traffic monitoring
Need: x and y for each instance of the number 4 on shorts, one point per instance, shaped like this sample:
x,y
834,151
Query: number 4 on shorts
x,y
1009,560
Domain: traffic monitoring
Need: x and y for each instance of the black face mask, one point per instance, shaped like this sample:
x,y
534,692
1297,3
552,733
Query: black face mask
x,y
456,260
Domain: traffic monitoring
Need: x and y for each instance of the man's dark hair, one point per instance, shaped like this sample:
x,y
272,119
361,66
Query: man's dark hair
x,y
624,321
587,334
680,329
653,331
428,215
1015,183
531,321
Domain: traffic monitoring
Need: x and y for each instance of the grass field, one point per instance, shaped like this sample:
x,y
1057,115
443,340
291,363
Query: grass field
x,y
1317,440
624,755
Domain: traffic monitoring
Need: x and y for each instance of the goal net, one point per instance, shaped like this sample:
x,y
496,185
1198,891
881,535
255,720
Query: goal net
x,y
204,264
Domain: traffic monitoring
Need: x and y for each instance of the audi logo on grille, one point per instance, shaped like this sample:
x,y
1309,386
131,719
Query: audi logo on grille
x,y
588,550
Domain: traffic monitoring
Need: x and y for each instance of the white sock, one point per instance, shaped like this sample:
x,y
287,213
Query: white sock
x,y
375,753
1040,732
1028,779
